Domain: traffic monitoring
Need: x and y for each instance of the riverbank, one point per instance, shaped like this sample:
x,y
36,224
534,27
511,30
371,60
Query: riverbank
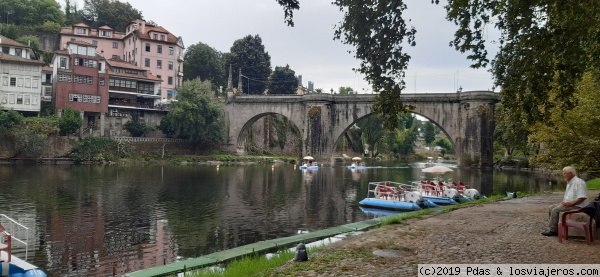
x,y
500,232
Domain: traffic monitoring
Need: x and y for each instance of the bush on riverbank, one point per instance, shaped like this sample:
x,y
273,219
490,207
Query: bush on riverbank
x,y
95,149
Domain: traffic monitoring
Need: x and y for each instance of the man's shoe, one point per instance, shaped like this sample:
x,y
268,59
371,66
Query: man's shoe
x,y
550,234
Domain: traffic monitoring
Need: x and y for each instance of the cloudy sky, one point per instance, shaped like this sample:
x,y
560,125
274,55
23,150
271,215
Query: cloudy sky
x,y
309,48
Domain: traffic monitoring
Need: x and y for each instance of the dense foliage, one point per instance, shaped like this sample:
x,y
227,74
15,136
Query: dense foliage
x,y
571,137
95,149
196,115
70,121
283,81
9,119
248,55
31,12
137,127
113,13
204,62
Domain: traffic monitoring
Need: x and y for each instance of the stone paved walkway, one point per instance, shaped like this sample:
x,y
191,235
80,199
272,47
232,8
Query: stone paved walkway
x,y
502,232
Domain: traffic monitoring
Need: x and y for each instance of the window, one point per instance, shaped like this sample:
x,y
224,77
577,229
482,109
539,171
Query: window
x,y
80,31
147,47
5,49
27,82
95,42
5,80
159,49
27,99
155,36
147,62
171,51
170,65
105,33
162,37
159,64
20,99
18,52
5,68
34,82
115,45
170,81
63,62
13,81
101,81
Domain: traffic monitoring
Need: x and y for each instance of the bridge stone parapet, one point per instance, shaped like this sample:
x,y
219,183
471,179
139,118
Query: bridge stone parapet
x,y
467,118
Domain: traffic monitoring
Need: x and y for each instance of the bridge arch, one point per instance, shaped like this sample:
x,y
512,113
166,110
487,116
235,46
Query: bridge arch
x,y
467,118
241,140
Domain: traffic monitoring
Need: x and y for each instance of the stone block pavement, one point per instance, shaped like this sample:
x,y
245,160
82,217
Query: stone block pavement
x,y
500,232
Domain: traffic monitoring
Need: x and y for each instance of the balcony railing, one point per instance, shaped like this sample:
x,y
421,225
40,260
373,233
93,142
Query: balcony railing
x,y
143,106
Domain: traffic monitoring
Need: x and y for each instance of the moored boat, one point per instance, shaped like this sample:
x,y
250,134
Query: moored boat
x,y
445,193
394,196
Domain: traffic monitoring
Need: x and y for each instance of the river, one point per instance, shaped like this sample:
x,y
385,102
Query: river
x,y
88,220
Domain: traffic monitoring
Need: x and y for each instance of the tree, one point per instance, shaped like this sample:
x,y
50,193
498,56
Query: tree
x,y
204,62
345,90
9,119
32,41
445,144
248,54
136,127
196,115
372,133
283,81
113,13
545,46
31,12
571,137
429,132
70,121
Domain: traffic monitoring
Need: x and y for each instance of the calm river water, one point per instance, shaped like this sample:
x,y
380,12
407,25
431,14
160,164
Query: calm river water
x,y
102,220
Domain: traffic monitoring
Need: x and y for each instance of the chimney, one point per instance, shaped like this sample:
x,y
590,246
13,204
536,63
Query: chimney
x,y
143,29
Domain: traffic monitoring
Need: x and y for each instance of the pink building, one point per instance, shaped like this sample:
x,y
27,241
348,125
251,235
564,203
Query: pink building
x,y
156,49
149,47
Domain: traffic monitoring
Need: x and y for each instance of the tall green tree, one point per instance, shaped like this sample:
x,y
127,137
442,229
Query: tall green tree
x,y
283,81
113,13
196,115
372,133
249,55
429,132
204,62
572,136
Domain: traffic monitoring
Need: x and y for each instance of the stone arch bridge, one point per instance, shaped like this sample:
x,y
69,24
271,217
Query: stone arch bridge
x,y
467,118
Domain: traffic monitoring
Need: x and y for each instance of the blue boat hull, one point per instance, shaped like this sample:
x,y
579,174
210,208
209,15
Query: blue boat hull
x,y
309,167
440,200
388,204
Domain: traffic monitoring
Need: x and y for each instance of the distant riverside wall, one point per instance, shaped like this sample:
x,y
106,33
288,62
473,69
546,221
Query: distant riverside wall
x,y
61,146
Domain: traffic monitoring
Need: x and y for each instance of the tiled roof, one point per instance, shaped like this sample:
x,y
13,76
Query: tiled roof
x,y
7,57
46,68
62,52
105,27
123,64
170,38
6,41
81,42
81,24
93,33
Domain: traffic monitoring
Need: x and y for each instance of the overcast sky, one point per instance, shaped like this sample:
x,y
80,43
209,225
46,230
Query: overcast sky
x,y
309,48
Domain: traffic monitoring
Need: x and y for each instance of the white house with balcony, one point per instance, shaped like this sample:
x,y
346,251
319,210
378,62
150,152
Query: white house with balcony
x,y
20,84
